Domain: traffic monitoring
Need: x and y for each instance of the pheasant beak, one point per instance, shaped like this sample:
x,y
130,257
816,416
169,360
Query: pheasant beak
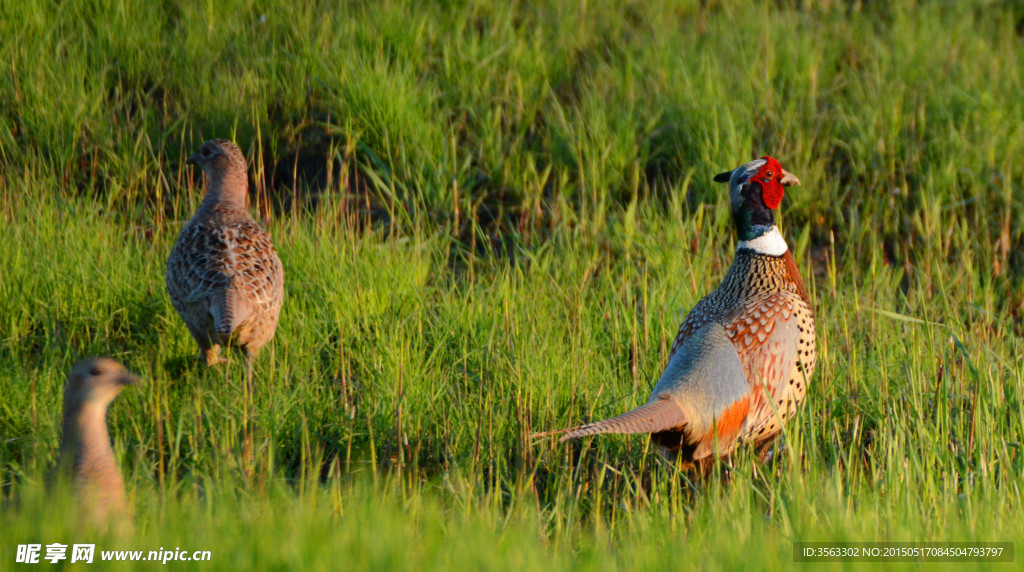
x,y
789,179
192,159
128,378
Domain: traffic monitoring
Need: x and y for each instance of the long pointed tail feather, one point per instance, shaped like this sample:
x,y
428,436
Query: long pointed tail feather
x,y
660,415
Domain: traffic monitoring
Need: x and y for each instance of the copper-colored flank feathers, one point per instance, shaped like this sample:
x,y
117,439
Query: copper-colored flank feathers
x,y
741,361
223,275
85,444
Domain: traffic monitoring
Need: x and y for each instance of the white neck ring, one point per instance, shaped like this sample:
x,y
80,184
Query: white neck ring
x,y
770,243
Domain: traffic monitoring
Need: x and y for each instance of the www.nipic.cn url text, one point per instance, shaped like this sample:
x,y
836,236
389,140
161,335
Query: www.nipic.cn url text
x,y
56,552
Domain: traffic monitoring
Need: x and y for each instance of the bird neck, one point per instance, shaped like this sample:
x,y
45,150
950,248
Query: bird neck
x,y
763,240
226,189
753,274
85,442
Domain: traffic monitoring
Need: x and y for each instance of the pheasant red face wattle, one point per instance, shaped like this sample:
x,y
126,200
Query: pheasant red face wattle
x,y
769,178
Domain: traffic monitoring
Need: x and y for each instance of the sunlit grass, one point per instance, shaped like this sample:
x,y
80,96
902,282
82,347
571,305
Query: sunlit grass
x,y
518,215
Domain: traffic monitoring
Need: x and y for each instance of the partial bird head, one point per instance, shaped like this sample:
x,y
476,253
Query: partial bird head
x,y
97,380
755,190
224,166
218,155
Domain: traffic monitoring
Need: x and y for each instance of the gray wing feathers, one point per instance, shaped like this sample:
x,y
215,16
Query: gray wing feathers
x,y
656,416
704,376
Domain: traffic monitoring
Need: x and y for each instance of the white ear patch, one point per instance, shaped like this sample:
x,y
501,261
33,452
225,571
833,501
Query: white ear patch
x,y
770,243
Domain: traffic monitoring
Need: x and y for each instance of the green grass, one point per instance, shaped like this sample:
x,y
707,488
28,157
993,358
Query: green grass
x,y
492,220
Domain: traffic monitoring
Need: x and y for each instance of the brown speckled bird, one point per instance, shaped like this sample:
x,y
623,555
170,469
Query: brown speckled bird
x,y
223,275
742,358
85,444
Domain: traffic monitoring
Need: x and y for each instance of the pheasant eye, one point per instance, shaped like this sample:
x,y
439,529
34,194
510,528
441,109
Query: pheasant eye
x,y
95,371
769,174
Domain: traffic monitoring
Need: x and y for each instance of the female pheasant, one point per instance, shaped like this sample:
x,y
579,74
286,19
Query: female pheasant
x,y
85,443
741,361
223,275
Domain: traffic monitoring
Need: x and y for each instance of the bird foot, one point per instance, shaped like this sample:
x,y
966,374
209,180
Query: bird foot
x,y
211,357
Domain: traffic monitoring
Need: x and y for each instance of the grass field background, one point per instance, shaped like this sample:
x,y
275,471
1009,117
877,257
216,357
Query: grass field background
x,y
492,220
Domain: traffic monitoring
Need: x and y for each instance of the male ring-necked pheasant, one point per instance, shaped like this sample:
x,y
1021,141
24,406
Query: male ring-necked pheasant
x,y
743,356
223,275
